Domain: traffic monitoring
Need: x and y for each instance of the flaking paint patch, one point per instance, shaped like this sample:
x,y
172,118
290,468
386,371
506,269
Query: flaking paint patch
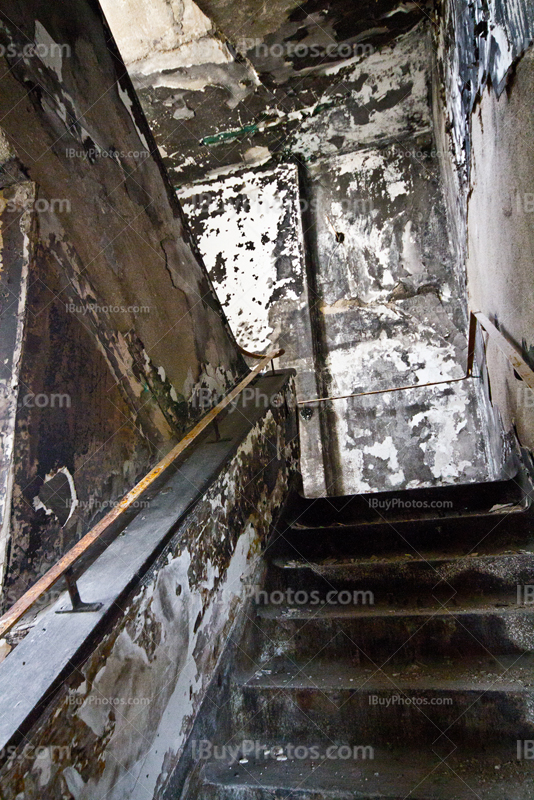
x,y
245,213
50,52
128,104
368,115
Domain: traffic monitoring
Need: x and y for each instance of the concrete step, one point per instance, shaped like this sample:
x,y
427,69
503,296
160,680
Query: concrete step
x,y
376,633
389,775
509,672
436,503
399,573
507,529
461,701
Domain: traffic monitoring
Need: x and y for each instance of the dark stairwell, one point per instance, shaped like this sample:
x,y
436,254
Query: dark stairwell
x,y
329,594
387,655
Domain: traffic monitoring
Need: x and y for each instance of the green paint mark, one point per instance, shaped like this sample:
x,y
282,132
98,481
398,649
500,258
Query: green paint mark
x,y
226,136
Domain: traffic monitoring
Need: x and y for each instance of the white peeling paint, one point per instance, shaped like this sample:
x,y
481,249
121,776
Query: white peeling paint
x,y
243,218
128,104
48,51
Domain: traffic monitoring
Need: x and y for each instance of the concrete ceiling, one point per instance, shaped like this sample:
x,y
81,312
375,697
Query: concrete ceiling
x,y
226,82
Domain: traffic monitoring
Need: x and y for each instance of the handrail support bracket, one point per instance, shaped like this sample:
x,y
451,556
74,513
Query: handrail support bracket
x,y
78,605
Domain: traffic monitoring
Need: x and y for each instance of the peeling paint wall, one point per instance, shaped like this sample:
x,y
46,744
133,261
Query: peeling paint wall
x,y
264,76
249,231
122,321
127,711
392,315
385,290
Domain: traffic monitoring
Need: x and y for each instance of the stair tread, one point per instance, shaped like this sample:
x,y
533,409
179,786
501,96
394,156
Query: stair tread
x,y
430,558
506,673
499,510
497,605
390,775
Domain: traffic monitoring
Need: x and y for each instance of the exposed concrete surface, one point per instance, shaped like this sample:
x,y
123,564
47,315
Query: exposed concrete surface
x,y
143,30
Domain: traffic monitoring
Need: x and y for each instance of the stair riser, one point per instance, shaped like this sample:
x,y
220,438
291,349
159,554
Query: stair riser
x,y
214,792
307,716
466,576
434,503
398,638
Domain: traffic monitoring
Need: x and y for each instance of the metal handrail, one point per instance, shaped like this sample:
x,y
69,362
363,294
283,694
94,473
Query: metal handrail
x,y
468,374
64,565
475,318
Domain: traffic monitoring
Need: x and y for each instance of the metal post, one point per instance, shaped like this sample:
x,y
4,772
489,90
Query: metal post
x,y
78,604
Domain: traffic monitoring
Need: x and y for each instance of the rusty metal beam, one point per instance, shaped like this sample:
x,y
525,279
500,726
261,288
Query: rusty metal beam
x,y
515,358
23,605
471,347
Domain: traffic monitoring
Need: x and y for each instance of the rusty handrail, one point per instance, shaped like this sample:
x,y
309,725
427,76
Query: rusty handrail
x,y
66,562
468,373
258,355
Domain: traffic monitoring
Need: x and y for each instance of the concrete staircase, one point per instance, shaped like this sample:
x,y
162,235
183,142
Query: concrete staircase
x,y
388,656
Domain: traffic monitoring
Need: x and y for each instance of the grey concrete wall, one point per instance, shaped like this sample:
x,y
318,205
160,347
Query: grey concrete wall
x,y
118,723
484,129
